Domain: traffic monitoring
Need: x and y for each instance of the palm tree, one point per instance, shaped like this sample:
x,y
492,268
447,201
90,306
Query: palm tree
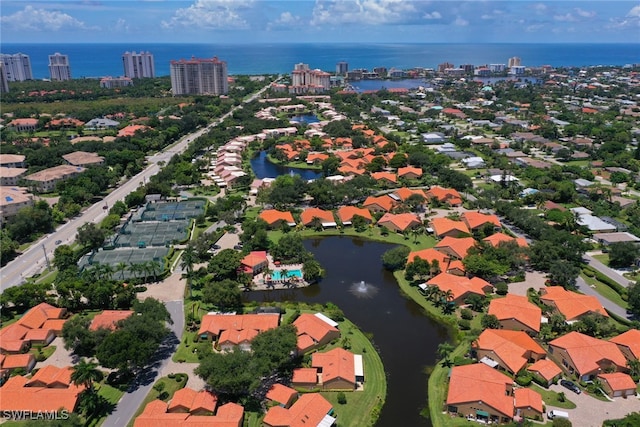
x,y
154,268
284,275
135,269
267,274
121,267
188,258
443,351
107,272
85,373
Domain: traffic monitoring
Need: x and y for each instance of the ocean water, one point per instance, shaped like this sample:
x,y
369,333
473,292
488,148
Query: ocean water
x,y
97,60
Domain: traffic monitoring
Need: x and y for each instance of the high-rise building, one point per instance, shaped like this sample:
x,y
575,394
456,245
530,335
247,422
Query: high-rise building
x,y
514,61
444,66
305,80
4,82
342,68
199,77
59,68
17,67
138,65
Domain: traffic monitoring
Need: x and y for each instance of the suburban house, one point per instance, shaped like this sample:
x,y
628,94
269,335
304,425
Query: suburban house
x,y
46,179
571,304
131,130
187,400
446,227
282,395
236,329
477,220
101,123
254,262
346,214
23,125
305,378
157,413
314,330
547,370
527,403
311,409
309,215
445,263
409,172
50,389
382,203
12,199
109,319
586,356
497,238
404,193
516,313
485,394
386,177
82,158
275,218
455,248
39,325
399,222
447,196
508,350
608,239
618,384
11,362
461,287
629,343
337,369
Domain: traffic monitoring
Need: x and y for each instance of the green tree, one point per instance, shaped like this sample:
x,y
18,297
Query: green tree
x,y
230,374
64,257
563,273
225,264
86,373
490,321
90,236
312,270
224,294
623,254
396,258
633,293
186,263
273,348
8,247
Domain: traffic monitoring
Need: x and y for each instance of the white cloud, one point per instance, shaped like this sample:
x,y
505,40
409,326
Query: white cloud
x,y
286,20
534,28
433,15
585,13
634,12
121,26
210,14
461,22
367,12
32,19
540,7
567,17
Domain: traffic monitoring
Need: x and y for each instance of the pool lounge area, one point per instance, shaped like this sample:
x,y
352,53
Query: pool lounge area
x,y
291,274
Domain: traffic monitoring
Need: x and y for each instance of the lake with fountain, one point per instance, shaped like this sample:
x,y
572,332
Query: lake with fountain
x,y
370,297
263,168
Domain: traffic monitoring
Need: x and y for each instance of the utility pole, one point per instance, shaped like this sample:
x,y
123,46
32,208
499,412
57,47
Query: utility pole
x,y
46,258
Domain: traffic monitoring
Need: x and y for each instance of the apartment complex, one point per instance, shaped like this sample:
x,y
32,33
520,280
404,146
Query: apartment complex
x,y
342,68
138,65
306,80
4,81
46,179
514,61
12,199
115,82
59,68
17,67
199,76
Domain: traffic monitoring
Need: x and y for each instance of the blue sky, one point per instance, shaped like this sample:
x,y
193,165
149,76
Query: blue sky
x,y
321,21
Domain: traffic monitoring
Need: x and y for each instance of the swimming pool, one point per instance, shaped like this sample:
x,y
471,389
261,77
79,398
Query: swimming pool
x,y
292,273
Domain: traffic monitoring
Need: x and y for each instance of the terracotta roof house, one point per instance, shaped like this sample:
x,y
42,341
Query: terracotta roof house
x,y
52,377
155,415
387,177
350,170
187,400
527,403
445,227
314,331
629,343
316,158
254,262
310,409
82,158
445,262
509,350
109,319
39,325
456,248
404,193
275,218
131,130
516,313
571,304
22,394
618,384
305,378
546,369
461,287
336,369
231,338
310,214
23,125
409,172
9,362
281,394
399,222
346,214
213,325
475,220
480,392
379,204
497,238
449,196
586,356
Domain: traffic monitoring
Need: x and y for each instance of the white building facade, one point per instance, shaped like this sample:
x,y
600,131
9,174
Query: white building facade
x,y
138,65
59,67
198,76
17,67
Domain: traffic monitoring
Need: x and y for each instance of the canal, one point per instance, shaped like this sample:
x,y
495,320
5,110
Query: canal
x,y
370,297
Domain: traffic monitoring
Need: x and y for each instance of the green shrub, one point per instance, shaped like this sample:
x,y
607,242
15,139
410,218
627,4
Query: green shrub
x,y
523,380
466,314
502,288
589,273
342,398
464,324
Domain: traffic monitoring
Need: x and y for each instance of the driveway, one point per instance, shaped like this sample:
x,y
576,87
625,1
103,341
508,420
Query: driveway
x,y
591,412
60,358
610,273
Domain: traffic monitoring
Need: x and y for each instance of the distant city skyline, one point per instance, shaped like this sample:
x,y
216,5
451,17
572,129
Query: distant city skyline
x,y
320,21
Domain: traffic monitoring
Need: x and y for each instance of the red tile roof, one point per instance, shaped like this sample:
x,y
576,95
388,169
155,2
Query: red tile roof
x,y
460,286
305,376
456,247
272,216
478,382
216,323
618,381
571,304
517,308
155,415
281,393
476,220
404,193
512,348
383,202
443,194
585,351
189,400
400,222
311,326
50,375
527,398
15,361
109,319
254,258
497,238
346,213
335,364
308,411
409,170
16,396
629,339
442,226
546,368
386,176
308,215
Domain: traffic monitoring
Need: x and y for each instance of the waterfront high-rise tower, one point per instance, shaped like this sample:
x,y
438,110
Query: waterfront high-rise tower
x,y
199,77
342,68
59,68
4,82
17,67
138,65
514,62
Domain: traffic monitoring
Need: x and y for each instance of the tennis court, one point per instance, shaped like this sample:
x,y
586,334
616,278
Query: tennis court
x,y
152,233
169,211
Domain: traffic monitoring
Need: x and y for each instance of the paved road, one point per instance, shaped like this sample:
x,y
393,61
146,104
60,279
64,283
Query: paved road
x,y
609,305
132,399
612,274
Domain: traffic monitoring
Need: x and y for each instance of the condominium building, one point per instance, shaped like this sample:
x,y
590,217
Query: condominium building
x,y
4,81
305,80
497,68
115,82
445,66
342,68
17,67
46,179
12,199
514,62
199,76
59,68
138,65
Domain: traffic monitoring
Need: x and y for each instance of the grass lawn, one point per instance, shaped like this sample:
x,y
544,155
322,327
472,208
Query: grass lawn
x,y
171,385
603,258
46,352
550,397
113,396
605,291
252,212
184,353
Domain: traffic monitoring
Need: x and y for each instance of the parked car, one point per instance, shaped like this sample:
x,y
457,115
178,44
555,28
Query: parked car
x,y
58,242
571,386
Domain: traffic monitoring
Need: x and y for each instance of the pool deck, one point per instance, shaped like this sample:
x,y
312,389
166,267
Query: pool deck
x,y
260,284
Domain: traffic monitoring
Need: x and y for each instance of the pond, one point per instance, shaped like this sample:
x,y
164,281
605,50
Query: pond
x,y
370,297
305,118
263,168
